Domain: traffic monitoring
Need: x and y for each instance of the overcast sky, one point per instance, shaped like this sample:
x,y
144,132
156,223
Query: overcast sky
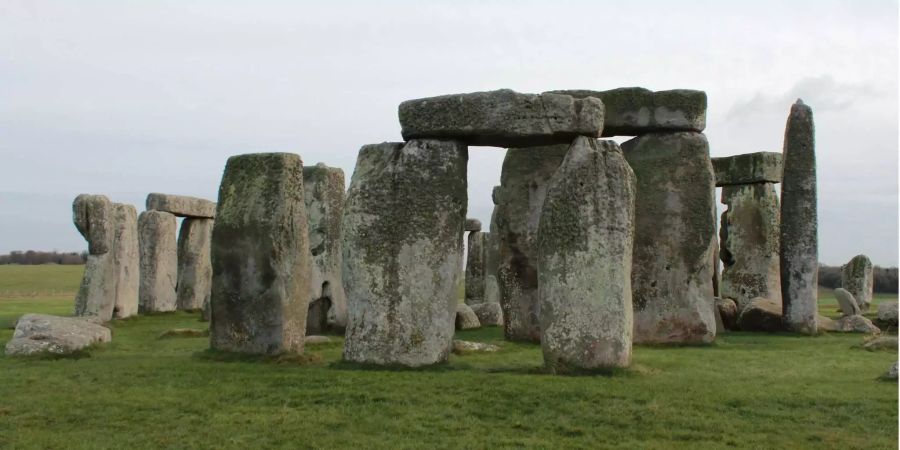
x,y
129,97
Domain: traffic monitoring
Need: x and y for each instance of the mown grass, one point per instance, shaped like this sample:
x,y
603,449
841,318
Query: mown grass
x,y
746,391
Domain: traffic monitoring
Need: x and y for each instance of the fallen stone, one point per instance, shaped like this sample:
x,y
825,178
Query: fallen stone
x,y
194,264
489,314
857,277
463,347
584,266
799,223
887,313
181,205
759,167
402,248
524,179
728,312
126,261
674,240
502,118
761,314
324,194
891,374
158,262
855,324
473,225
93,216
39,333
475,267
466,318
847,302
749,245
634,111
881,343
260,256
316,340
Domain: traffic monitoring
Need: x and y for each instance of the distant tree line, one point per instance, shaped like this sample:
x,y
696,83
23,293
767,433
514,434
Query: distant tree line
x,y
885,278
32,257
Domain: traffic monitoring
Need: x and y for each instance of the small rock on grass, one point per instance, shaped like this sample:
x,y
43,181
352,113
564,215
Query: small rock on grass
x,y
462,347
881,343
891,374
316,339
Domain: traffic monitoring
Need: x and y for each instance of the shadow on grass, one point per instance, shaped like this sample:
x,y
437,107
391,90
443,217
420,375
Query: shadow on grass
x,y
48,356
289,359
183,333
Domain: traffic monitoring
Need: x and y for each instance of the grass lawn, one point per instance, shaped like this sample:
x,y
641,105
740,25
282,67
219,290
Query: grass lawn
x,y
746,391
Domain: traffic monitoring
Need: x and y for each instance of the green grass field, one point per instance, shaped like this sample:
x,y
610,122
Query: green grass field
x,y
746,391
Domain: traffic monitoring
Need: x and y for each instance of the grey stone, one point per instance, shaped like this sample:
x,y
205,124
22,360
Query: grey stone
x,y
887,313
39,333
882,343
260,256
585,243
857,277
466,318
891,374
126,261
728,312
402,230
475,267
472,225
317,339
846,301
93,216
524,180
464,347
324,194
181,205
492,291
489,314
762,314
158,262
749,246
194,264
496,194
634,111
502,118
759,167
799,223
675,237
848,324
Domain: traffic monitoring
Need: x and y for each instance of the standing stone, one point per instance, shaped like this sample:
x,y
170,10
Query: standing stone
x,y
324,194
126,259
489,314
159,261
584,266
492,256
857,277
799,223
845,300
674,238
194,264
466,319
475,267
403,227
749,244
491,290
94,217
260,256
523,180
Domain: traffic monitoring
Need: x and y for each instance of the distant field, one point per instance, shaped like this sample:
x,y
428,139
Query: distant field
x,y
745,391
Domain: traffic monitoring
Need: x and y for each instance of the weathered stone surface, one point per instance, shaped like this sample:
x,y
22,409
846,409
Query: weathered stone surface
x,y
473,225
496,194
761,314
799,223
759,167
489,314
492,291
848,324
317,339
748,239
93,216
887,313
634,111
857,277
39,333
158,261
475,266
403,226
466,318
324,194
846,302
524,178
675,236
584,266
126,261
181,205
502,118
891,374
882,343
260,256
463,347
194,264
728,312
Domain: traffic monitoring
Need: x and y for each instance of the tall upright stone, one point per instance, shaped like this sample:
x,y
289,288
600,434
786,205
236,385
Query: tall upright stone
x,y
158,261
260,256
402,230
584,267
475,267
492,254
674,238
857,278
523,186
324,194
799,222
749,244
126,261
194,264
94,217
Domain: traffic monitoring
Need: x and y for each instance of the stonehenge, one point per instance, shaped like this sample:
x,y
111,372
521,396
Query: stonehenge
x,y
194,264
858,279
126,260
94,217
260,256
159,261
475,262
181,205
